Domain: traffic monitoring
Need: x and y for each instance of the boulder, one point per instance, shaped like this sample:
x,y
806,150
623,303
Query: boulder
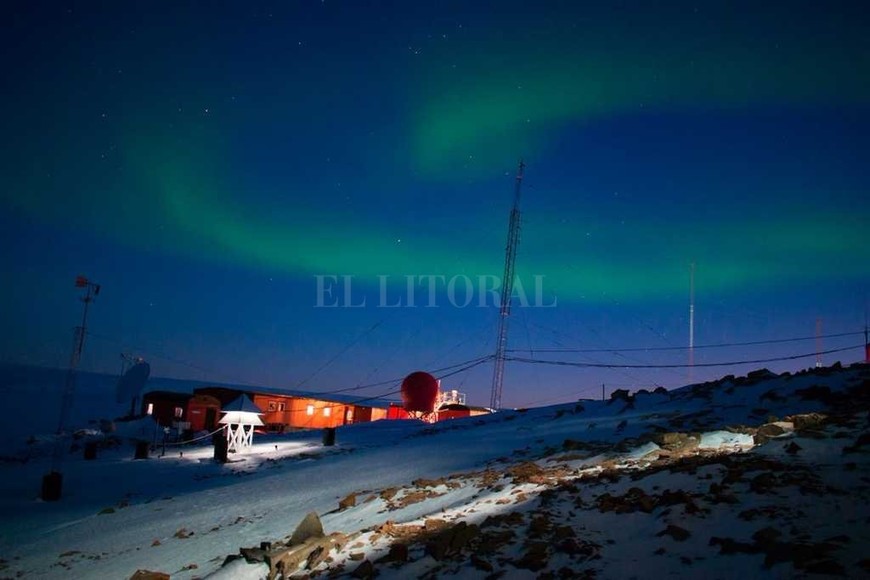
x,y
309,527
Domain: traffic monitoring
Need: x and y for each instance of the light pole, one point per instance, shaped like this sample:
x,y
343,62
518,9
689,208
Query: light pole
x,y
52,482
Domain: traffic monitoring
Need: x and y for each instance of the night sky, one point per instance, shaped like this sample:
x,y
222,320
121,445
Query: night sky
x,y
204,161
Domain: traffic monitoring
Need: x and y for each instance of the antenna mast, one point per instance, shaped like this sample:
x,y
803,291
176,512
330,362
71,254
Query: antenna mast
x,y
866,339
507,288
818,343
691,321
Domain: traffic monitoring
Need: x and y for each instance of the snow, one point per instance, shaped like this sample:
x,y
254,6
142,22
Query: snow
x,y
182,513
726,440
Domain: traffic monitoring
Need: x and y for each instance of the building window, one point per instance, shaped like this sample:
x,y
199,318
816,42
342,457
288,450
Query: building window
x,y
326,411
150,410
281,406
179,411
309,410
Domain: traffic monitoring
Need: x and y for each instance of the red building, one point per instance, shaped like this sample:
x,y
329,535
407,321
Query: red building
x,y
286,410
167,407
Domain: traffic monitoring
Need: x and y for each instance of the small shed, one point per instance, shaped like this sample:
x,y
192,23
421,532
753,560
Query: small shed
x,y
240,418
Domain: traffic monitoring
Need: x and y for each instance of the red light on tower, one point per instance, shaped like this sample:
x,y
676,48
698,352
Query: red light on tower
x,y
81,281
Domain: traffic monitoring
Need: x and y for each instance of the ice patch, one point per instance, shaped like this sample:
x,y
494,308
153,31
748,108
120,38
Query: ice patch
x,y
725,440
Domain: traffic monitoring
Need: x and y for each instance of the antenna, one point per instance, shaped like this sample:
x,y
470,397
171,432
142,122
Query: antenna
x,y
134,374
818,343
866,341
691,321
52,482
507,288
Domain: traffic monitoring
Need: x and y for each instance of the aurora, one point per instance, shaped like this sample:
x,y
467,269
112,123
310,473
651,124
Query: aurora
x,y
206,167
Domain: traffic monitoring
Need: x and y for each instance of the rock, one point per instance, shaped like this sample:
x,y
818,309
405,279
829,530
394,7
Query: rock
x,y
620,395
676,532
539,526
771,430
760,374
792,448
572,445
578,548
807,420
434,524
526,472
309,527
365,570
149,575
766,536
285,558
253,555
677,441
398,553
348,502
767,432
635,499
462,534
230,558
480,563
763,483
428,482
451,540
535,558
729,546
669,498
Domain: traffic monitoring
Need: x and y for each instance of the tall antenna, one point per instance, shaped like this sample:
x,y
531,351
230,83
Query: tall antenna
x,y
818,343
507,288
52,482
691,321
866,341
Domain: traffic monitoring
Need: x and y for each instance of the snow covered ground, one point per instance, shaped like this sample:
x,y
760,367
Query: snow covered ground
x,y
718,480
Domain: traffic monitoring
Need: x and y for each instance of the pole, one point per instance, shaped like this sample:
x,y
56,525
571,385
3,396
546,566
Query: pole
x,y
818,343
691,322
602,391
52,483
866,340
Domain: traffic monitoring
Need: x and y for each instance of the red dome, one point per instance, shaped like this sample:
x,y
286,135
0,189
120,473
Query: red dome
x,y
419,392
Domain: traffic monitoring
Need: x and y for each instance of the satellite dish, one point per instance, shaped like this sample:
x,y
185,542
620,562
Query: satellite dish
x,y
133,381
419,392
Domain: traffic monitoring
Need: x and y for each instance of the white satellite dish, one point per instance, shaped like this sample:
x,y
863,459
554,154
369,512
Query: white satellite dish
x,y
132,382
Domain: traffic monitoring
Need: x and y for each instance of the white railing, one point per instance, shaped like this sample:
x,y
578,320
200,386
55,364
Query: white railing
x,y
452,397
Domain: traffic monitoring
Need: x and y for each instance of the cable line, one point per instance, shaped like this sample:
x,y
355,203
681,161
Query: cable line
x,y
676,366
665,348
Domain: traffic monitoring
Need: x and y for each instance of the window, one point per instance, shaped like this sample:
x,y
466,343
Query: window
x,y
150,410
326,411
179,411
309,410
